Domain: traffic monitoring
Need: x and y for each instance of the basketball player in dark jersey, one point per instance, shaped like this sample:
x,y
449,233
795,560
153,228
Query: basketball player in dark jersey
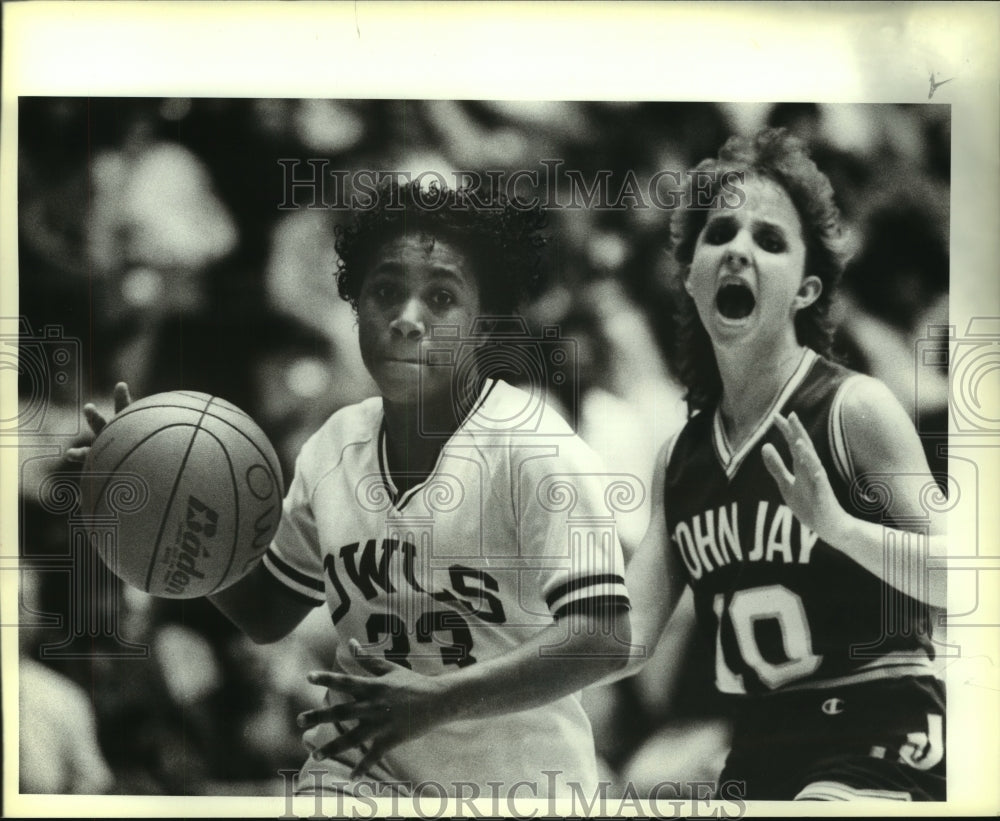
x,y
797,503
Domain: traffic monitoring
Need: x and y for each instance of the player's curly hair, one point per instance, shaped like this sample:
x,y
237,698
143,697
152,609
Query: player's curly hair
x,y
777,155
504,238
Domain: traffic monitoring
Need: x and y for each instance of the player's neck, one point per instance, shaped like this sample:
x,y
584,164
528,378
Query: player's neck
x,y
415,434
750,385
411,454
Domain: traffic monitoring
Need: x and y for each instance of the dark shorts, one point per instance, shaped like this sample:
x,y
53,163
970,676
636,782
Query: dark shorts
x,y
881,740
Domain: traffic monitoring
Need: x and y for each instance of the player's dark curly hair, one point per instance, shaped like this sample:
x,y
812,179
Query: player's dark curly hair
x,y
504,238
779,156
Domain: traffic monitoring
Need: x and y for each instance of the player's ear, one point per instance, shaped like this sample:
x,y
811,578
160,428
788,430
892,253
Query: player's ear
x,y
809,291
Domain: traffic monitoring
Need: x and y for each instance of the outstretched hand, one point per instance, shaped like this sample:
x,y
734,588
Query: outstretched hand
x,y
806,487
394,706
122,399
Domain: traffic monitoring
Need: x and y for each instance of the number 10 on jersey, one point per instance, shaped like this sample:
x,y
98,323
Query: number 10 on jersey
x,y
747,610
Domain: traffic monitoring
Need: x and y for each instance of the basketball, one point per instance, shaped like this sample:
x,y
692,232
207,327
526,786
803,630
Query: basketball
x,y
184,493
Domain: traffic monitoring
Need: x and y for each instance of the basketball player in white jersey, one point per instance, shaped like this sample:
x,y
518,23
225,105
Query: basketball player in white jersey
x,y
455,527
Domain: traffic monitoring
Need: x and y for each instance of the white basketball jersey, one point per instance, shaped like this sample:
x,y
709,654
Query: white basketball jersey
x,y
511,528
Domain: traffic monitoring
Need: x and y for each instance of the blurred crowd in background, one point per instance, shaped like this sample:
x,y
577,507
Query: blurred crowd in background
x,y
152,238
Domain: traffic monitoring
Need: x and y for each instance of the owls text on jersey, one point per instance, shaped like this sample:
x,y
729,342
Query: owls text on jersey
x,y
510,529
785,610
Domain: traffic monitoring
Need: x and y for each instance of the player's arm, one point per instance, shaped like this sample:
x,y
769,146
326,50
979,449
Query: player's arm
x,y
884,445
398,705
653,578
261,606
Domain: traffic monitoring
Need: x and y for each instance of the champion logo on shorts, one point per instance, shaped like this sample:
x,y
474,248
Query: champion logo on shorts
x,y
833,706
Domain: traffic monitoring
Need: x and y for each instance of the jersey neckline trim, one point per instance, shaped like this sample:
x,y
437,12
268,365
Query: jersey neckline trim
x,y
729,460
400,500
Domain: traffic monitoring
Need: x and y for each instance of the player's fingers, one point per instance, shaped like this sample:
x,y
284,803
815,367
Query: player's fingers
x,y
94,418
776,467
77,454
786,430
353,738
122,397
379,747
353,685
806,459
802,439
348,711
803,450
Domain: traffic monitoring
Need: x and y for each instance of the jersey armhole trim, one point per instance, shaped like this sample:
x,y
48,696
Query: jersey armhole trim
x,y
839,446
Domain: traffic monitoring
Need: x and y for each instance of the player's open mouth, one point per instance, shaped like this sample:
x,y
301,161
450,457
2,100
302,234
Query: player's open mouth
x,y
734,300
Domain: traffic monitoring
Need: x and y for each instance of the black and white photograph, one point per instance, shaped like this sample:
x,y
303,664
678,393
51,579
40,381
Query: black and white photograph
x,y
396,425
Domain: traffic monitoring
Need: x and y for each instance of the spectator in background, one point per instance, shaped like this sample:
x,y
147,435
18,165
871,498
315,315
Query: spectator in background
x,y
896,289
58,739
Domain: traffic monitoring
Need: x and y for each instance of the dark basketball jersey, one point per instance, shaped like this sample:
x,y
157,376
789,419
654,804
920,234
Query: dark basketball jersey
x,y
785,610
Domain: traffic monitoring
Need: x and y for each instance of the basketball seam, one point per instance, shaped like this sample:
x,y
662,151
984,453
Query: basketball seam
x,y
236,502
170,499
275,471
274,468
133,449
136,406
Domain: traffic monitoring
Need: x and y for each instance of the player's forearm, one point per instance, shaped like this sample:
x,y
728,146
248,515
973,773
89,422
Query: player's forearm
x,y
563,658
898,557
260,607
646,628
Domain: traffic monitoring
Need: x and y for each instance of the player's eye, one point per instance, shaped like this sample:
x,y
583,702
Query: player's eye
x,y
384,291
770,240
442,298
719,231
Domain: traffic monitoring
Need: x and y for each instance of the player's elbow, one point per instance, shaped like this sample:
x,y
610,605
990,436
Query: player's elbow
x,y
606,639
255,626
264,633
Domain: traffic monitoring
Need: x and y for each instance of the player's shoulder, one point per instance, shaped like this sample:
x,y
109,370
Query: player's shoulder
x,y
862,392
523,424
869,407
353,425
690,438
510,411
822,387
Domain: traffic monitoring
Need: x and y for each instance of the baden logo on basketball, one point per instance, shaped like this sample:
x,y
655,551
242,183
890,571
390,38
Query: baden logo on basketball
x,y
200,526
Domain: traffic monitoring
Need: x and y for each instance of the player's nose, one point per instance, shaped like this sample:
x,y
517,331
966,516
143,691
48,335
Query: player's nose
x,y
409,320
737,252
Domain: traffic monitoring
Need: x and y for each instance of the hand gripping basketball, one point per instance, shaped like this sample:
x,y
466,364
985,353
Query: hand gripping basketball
x,y
122,399
210,486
